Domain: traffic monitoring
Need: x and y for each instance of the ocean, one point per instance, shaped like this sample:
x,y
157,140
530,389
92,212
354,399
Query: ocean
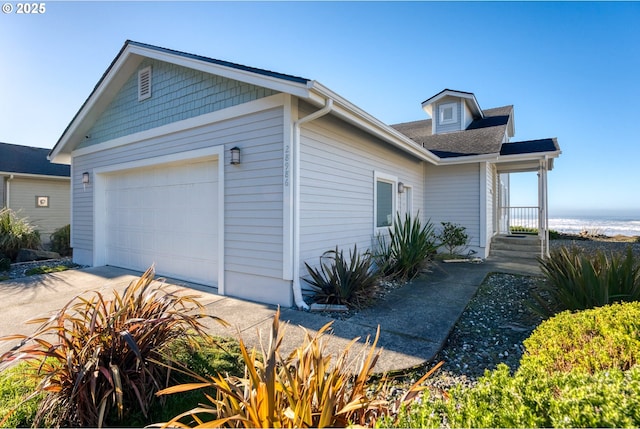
x,y
606,224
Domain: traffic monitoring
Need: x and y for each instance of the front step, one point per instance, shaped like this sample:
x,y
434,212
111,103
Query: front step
x,y
518,246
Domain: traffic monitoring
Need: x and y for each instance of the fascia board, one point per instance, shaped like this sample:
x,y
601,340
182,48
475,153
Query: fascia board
x,y
469,159
498,159
102,94
363,120
33,176
529,156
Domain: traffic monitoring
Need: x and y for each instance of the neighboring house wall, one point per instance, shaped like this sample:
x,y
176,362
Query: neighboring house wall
x,y
45,219
338,163
452,194
178,93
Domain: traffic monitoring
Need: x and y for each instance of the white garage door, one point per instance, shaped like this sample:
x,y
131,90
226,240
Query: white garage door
x,y
167,215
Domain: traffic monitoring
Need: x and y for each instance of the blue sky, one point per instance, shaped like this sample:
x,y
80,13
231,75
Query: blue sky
x,y
571,70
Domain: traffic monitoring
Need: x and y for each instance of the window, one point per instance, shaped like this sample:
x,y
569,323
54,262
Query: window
x,y
144,83
42,201
448,113
384,200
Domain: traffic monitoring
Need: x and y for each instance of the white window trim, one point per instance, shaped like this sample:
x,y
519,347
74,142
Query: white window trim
x,y
387,178
454,115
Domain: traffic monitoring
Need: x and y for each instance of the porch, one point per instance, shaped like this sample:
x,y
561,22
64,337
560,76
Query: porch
x,y
522,231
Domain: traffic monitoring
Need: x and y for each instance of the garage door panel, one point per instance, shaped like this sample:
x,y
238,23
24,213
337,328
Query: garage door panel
x,y
165,215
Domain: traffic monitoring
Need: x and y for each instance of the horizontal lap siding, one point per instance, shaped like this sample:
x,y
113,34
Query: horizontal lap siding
x,y
452,194
337,184
253,189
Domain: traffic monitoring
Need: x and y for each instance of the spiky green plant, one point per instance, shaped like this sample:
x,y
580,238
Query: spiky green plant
x,y
16,233
409,247
97,358
339,280
576,281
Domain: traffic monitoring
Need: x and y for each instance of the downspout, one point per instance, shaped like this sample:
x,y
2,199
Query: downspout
x,y
297,288
8,196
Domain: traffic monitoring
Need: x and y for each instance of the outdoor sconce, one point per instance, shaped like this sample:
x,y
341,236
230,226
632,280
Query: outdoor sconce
x,y
400,187
235,155
85,178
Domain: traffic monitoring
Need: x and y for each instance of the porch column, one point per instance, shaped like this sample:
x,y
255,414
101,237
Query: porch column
x,y
543,212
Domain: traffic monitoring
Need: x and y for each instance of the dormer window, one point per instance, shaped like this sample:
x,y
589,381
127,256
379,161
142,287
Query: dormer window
x,y
448,113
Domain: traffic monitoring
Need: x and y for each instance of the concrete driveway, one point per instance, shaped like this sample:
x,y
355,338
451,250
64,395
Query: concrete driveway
x,y
415,320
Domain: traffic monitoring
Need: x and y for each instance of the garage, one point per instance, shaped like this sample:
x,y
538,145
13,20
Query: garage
x,y
164,214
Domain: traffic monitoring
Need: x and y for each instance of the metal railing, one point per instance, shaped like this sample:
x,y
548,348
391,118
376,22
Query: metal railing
x,y
519,219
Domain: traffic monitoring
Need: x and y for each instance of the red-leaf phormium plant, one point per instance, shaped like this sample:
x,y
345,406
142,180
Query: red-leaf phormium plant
x,y
100,357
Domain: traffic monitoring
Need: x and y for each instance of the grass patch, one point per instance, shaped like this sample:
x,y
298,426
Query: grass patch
x,y
46,270
14,387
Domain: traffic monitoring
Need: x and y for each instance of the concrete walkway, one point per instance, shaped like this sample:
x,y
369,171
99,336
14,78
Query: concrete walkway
x,y
415,320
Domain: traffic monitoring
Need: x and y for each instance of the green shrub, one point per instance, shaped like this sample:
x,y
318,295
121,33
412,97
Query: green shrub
x,y
453,237
106,359
604,399
588,341
409,247
350,282
576,281
61,240
16,233
579,370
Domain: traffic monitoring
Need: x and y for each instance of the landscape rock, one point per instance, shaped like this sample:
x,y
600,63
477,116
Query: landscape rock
x,y
28,255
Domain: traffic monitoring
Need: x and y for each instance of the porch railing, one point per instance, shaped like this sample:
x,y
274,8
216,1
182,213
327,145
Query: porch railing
x,y
519,219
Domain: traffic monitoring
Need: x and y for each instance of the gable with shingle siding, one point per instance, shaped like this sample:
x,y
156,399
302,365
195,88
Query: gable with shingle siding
x,y
177,93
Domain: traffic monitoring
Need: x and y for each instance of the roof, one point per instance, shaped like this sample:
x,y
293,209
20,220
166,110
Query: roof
x,y
530,146
482,136
29,160
132,54
259,71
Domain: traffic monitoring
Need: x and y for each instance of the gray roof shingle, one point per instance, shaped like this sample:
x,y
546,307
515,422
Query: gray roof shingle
x,y
482,136
29,160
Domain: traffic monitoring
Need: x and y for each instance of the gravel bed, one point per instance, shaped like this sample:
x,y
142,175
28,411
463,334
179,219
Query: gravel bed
x,y
490,331
494,324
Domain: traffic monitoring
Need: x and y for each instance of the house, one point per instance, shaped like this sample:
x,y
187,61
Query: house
x,y
34,188
233,177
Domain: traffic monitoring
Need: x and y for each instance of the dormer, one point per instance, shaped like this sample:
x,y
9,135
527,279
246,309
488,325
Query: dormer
x,y
452,111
